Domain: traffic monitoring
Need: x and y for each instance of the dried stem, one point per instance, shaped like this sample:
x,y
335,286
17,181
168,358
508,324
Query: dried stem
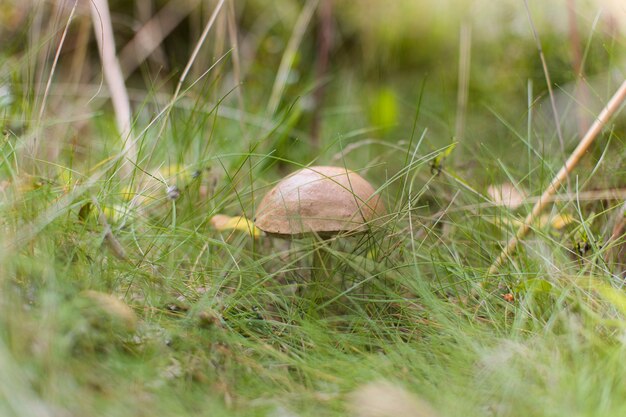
x,y
612,106
196,50
114,244
103,28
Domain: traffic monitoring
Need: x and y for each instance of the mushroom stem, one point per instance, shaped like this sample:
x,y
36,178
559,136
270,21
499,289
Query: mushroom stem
x,y
319,288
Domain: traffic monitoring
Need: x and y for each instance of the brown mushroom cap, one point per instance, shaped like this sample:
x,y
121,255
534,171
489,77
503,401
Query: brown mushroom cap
x,y
322,199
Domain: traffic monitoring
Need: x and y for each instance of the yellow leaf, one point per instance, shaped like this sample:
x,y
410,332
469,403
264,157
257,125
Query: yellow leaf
x,y
223,222
557,222
561,220
177,175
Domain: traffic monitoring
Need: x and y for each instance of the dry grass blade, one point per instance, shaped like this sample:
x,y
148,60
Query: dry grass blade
x,y
34,144
196,50
165,113
612,106
56,61
103,28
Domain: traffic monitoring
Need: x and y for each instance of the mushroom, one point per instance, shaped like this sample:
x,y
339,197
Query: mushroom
x,y
322,202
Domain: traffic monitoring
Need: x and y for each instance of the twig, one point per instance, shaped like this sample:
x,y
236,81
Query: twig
x,y
103,28
611,107
290,52
114,244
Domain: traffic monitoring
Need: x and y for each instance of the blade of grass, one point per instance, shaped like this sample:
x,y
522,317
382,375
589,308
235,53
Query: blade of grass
x,y
557,120
56,61
290,52
183,77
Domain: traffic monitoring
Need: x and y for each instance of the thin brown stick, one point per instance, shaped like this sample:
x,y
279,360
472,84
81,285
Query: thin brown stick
x,y
612,106
110,239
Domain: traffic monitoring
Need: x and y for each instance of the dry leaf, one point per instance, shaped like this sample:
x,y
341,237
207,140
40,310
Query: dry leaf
x,y
506,195
223,222
561,220
384,399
